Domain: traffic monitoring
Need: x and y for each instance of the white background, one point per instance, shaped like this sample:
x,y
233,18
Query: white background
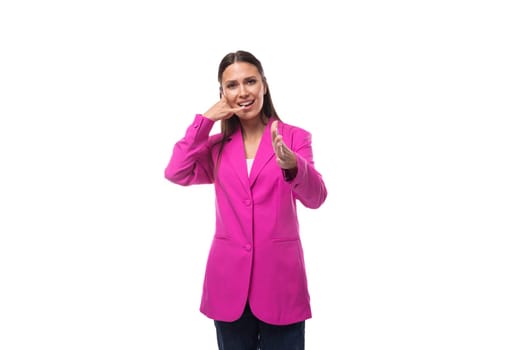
x,y
416,110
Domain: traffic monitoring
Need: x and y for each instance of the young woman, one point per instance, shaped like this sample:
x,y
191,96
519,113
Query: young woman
x,y
255,286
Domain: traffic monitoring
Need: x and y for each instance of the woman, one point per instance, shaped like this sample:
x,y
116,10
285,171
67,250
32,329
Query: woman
x,y
255,286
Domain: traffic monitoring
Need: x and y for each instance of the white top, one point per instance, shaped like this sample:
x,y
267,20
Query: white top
x,y
249,163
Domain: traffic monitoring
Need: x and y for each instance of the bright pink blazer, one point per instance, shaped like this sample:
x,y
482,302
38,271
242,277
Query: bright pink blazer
x,y
256,254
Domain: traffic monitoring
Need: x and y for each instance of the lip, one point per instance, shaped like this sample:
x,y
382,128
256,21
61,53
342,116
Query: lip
x,y
248,106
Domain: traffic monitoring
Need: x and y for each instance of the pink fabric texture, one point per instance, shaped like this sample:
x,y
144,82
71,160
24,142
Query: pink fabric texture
x,y
256,253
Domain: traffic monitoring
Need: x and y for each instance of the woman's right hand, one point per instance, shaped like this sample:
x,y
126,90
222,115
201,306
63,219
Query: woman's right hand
x,y
221,110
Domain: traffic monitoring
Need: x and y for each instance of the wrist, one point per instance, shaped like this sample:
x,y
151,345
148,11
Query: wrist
x,y
290,174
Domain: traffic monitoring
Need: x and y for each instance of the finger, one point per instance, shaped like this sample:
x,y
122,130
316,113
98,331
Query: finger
x,y
231,110
275,131
224,100
228,106
274,126
277,149
236,109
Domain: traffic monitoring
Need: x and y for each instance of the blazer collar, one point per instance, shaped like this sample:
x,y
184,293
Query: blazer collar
x,y
237,155
264,153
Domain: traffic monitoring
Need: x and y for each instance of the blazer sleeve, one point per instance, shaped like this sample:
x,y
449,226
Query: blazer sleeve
x,y
308,185
190,162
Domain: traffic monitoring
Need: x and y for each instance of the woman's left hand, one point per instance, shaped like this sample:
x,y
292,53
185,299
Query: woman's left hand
x,y
284,156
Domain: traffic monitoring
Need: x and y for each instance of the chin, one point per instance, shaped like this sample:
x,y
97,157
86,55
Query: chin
x,y
249,115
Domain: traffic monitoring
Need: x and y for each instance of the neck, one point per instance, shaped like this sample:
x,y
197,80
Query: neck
x,y
252,128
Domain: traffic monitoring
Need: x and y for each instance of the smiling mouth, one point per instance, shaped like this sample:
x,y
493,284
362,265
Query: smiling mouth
x,y
246,104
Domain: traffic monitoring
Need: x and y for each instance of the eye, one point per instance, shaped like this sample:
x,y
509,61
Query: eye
x,y
252,81
231,85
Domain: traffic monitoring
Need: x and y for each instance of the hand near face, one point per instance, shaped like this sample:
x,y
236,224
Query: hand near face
x,y
284,156
221,110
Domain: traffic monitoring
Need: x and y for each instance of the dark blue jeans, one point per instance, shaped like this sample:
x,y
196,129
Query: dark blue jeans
x,y
249,333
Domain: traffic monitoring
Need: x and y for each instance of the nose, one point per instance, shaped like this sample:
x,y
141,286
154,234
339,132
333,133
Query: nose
x,y
242,90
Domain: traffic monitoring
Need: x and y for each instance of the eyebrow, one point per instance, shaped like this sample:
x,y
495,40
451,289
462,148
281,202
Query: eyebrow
x,y
234,81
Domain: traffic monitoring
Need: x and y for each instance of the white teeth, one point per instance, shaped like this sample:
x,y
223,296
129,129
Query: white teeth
x,y
245,104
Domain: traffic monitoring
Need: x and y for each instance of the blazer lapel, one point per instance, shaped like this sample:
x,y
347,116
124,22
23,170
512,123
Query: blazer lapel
x,y
235,159
264,153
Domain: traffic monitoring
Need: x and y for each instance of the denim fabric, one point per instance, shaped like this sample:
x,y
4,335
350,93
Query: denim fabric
x,y
249,333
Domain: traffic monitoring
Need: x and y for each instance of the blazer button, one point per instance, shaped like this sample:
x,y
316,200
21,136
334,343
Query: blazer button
x,y
248,247
247,202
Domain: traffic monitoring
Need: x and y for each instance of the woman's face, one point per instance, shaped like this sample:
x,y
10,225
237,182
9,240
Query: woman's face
x,y
243,86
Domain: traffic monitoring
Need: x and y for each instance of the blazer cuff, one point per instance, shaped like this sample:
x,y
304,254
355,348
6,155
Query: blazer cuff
x,y
200,128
